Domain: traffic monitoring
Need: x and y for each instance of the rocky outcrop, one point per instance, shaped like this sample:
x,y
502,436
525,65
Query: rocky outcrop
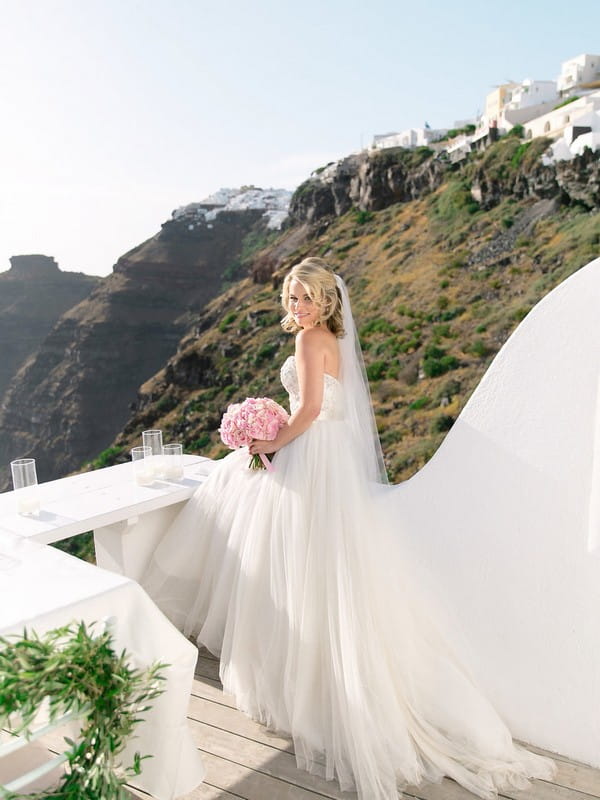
x,y
34,293
580,178
517,171
367,181
370,181
73,396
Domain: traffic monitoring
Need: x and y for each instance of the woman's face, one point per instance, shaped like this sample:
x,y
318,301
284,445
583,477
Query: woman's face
x,y
303,308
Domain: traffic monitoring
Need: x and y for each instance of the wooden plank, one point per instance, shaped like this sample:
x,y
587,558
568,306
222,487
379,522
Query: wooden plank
x,y
244,782
207,668
573,774
544,790
234,721
212,690
261,758
539,790
202,651
203,792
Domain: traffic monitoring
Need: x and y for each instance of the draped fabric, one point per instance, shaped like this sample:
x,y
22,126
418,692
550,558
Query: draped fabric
x,y
295,579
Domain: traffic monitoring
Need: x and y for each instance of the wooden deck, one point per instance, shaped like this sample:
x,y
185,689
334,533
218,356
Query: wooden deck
x,y
244,761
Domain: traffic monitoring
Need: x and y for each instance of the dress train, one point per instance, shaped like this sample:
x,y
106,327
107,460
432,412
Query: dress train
x,y
290,578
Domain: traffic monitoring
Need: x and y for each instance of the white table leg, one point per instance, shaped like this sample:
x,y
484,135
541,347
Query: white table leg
x,y
126,547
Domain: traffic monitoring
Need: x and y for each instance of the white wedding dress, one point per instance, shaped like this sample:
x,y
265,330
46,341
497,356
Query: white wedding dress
x,y
289,576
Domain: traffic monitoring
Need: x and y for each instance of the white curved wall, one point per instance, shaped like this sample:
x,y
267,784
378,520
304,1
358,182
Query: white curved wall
x,y
504,523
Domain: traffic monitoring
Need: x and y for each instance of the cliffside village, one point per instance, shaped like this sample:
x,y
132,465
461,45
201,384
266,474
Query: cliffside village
x,y
566,110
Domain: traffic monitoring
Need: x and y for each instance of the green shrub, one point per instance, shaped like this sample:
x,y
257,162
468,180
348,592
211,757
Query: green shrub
x,y
376,371
442,423
405,311
200,443
361,217
442,331
265,352
479,348
407,345
520,313
519,154
517,130
81,546
437,362
166,403
566,102
107,457
419,403
377,326
226,321
266,320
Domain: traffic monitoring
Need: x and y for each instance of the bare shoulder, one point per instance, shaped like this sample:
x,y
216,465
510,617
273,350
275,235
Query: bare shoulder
x,y
314,340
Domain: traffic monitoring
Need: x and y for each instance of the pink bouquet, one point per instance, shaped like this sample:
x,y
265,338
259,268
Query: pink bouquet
x,y
255,418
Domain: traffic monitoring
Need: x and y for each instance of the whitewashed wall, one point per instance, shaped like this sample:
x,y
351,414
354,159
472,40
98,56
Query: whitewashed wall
x,y
557,120
504,523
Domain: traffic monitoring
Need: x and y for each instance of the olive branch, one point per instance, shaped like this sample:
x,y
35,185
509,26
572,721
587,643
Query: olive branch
x,y
76,672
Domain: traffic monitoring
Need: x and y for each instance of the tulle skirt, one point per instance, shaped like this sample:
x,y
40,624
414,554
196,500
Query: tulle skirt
x,y
293,579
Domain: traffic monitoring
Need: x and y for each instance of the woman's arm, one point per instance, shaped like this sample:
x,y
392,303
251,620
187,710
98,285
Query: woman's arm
x,y
310,366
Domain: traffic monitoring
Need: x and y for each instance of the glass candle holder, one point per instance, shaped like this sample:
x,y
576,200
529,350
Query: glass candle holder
x,y
142,466
25,484
173,461
153,440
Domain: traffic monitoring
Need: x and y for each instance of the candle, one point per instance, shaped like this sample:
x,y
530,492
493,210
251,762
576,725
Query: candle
x,y
27,503
173,471
144,476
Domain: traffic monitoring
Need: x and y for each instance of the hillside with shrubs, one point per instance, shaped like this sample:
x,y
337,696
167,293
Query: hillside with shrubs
x,y
442,263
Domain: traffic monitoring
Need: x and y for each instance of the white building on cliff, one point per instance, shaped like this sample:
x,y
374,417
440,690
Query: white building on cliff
x,y
538,105
411,137
579,75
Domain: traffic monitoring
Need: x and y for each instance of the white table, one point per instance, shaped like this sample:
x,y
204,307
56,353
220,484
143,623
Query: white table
x,y
43,588
128,520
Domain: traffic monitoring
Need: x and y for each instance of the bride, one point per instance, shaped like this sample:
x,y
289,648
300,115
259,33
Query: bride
x,y
295,579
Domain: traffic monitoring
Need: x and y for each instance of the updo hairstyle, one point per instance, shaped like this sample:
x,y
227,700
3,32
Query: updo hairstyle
x,y
319,281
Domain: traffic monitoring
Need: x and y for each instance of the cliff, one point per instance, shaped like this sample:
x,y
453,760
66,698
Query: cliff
x,y
73,395
442,263
34,293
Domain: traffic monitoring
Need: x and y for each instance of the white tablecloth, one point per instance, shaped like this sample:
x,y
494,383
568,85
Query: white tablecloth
x,y
43,588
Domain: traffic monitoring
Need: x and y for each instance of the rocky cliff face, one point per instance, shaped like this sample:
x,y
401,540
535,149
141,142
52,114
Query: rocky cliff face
x,y
371,181
437,283
72,396
517,171
34,293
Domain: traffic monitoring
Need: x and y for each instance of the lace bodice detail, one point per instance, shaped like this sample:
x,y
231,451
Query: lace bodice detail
x,y
332,407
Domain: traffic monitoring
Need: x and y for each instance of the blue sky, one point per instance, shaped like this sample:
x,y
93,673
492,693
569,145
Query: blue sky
x,y
115,112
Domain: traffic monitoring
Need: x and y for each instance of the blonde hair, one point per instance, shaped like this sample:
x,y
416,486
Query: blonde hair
x,y
319,281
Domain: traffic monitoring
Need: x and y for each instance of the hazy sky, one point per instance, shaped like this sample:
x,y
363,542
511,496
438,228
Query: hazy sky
x,y
115,112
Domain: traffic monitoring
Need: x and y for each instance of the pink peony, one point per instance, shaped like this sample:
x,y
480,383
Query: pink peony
x,y
255,418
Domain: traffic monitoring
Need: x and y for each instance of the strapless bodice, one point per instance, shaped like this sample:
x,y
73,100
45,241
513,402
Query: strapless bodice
x,y
332,407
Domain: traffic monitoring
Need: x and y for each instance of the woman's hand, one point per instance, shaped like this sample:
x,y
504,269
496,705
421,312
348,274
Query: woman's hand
x,y
263,446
